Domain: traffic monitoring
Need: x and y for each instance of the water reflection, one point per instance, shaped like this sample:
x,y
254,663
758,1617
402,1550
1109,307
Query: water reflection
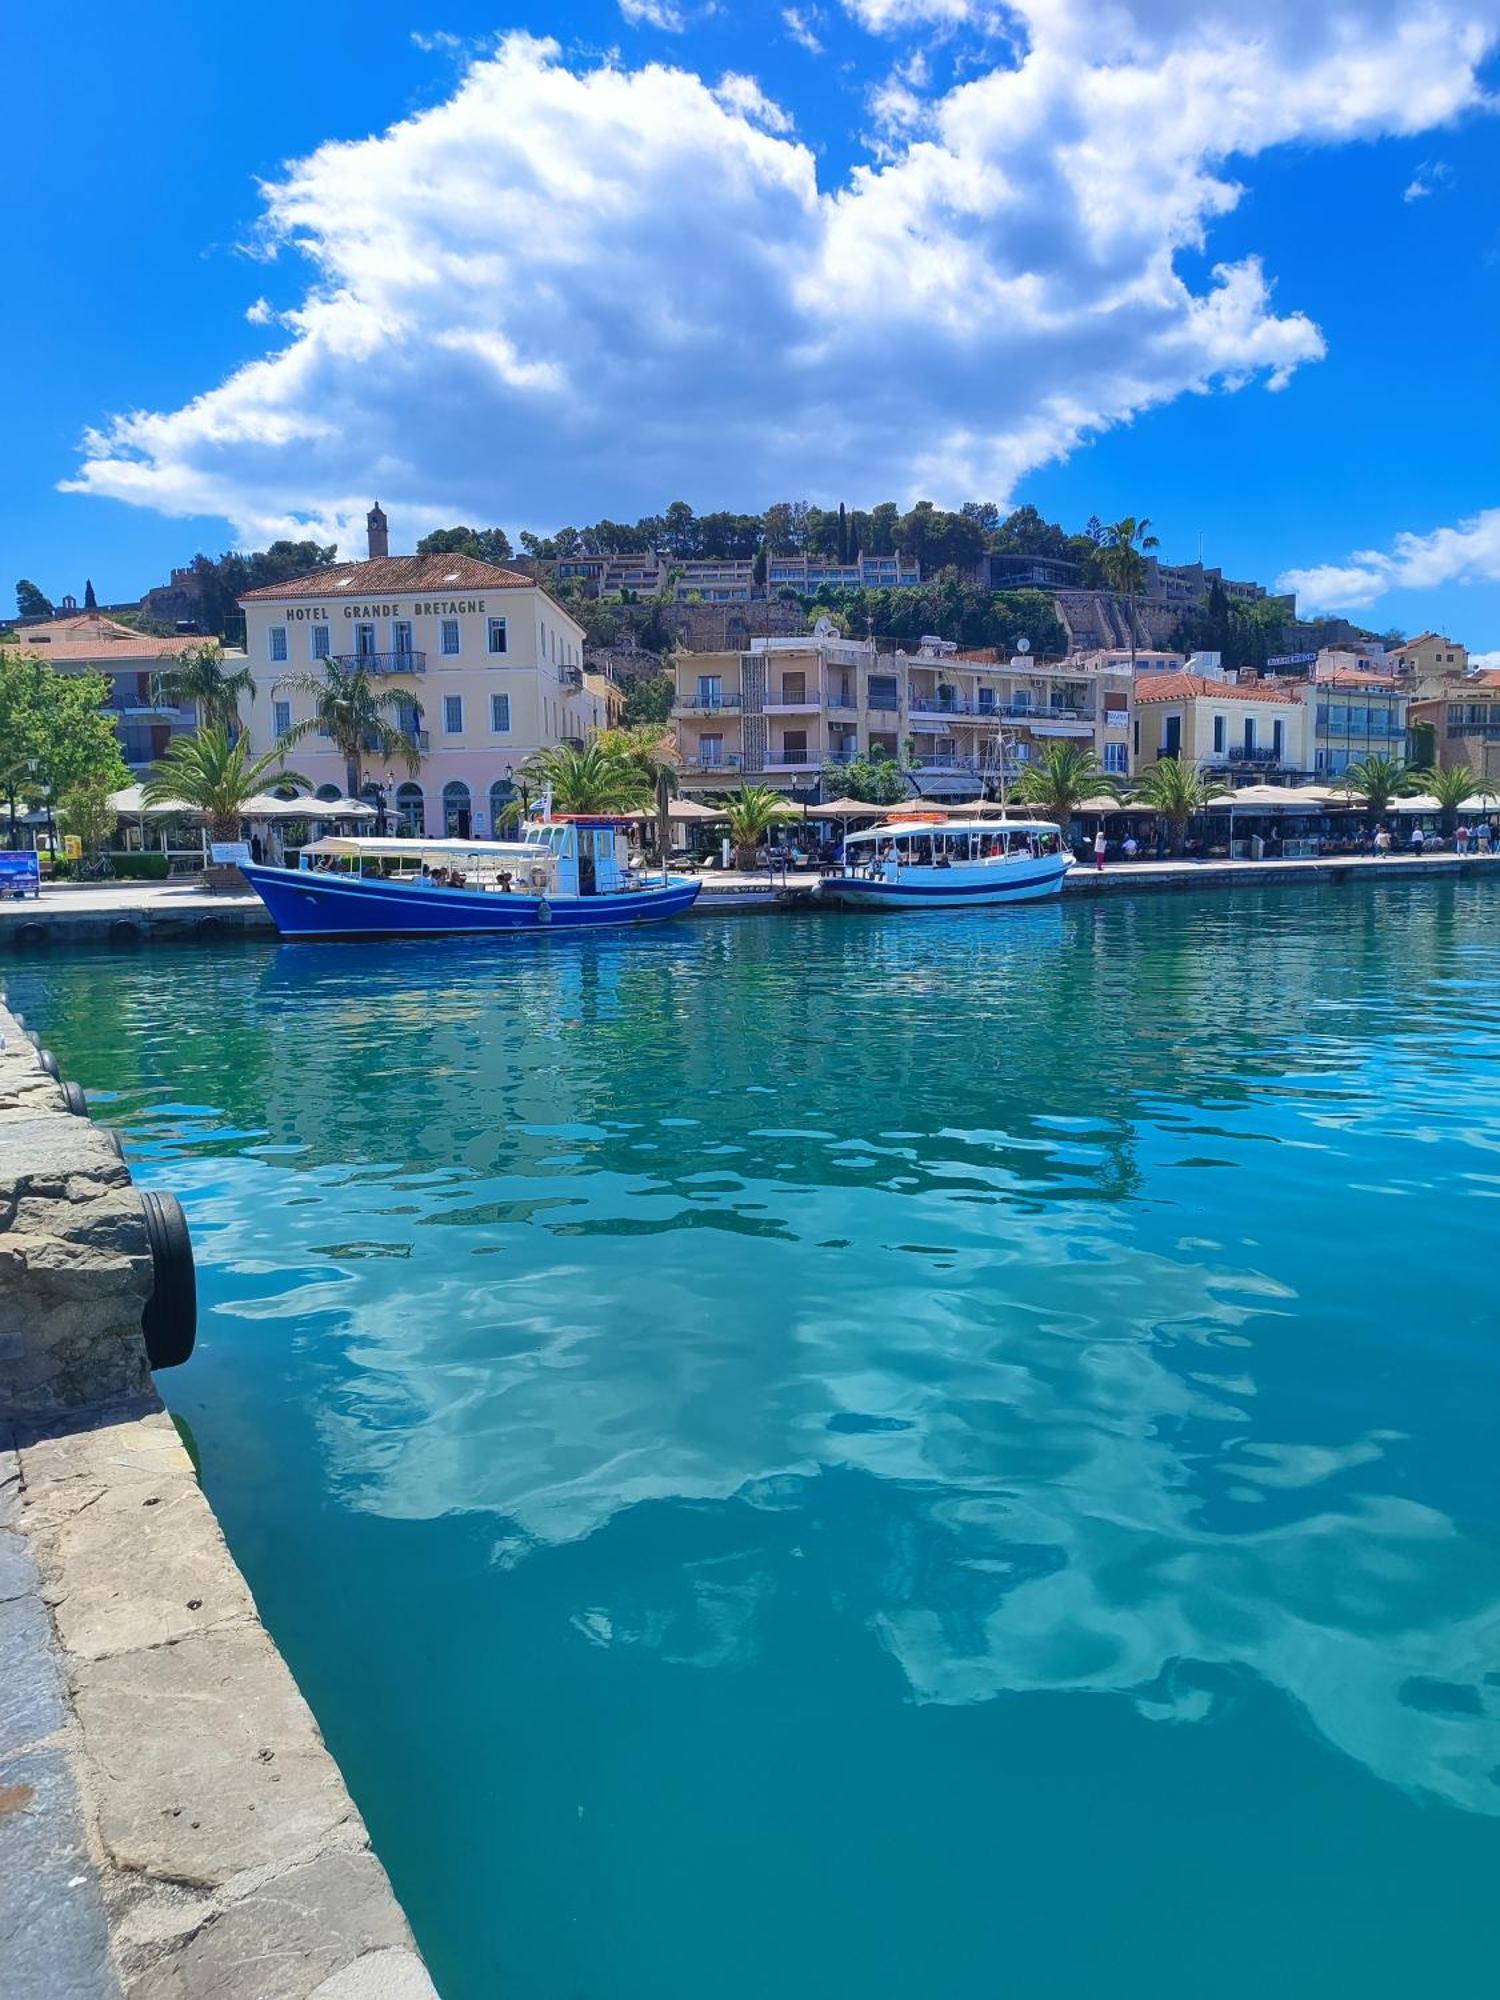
x,y
1027,1290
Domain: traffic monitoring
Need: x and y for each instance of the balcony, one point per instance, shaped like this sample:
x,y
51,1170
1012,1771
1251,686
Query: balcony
x,y
796,701
729,760
793,760
844,701
706,704
381,663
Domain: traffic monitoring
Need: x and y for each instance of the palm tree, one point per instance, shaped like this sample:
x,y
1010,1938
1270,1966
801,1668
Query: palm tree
x,y
1123,561
215,774
651,749
751,812
1450,788
356,716
197,674
1377,780
596,779
1177,791
1058,784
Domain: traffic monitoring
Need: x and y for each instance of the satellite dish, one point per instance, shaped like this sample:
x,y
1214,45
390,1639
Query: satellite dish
x,y
1023,645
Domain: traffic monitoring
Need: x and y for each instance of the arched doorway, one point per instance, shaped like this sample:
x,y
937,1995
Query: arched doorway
x,y
502,792
456,809
411,812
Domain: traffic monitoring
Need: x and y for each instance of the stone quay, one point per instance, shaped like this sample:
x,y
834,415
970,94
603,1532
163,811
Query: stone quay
x,y
172,1826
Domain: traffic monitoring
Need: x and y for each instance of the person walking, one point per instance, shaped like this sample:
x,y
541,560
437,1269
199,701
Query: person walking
x,y
1418,840
1099,847
1461,840
1382,842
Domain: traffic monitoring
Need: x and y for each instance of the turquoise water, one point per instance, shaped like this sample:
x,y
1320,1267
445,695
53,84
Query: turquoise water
x,y
879,1458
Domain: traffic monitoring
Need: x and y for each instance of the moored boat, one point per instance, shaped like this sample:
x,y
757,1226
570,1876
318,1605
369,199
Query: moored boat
x,y
927,861
568,873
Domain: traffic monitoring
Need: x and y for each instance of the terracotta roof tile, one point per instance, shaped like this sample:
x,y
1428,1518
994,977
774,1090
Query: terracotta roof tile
x,y
394,576
1351,677
108,651
1183,687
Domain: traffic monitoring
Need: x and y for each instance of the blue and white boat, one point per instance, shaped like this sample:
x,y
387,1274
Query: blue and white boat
x,y
568,873
927,861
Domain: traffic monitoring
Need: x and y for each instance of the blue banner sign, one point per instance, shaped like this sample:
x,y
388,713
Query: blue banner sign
x,y
20,872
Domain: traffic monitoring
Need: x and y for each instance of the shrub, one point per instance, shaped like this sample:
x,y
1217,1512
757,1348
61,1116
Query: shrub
x,y
140,867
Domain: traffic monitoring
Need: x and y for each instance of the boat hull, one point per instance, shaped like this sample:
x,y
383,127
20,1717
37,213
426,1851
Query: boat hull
x,y
313,904
1028,881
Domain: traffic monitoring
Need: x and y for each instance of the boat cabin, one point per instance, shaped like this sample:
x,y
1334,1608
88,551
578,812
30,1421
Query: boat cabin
x,y
580,855
931,840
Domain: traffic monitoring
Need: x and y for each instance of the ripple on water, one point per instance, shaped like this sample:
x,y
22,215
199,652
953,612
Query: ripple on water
x,y
815,1392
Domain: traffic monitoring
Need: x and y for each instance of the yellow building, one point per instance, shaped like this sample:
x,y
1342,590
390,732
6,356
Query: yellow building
x,y
1429,661
1248,732
488,665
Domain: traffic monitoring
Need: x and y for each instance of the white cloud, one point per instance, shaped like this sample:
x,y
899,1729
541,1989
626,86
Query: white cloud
x,y
1484,662
1466,553
894,17
260,312
654,14
744,95
1429,177
802,24
567,290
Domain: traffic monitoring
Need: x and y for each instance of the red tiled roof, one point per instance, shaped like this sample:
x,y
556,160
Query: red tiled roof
x,y
1183,687
1490,678
394,576
76,625
107,651
1422,639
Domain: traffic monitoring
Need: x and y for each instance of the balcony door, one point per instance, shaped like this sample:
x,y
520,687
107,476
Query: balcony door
x,y
364,642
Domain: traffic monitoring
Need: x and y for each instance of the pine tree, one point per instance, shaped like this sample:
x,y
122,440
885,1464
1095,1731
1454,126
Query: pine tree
x,y
90,602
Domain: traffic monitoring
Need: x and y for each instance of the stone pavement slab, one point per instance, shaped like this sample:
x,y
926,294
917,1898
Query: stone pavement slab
x,y
54,1943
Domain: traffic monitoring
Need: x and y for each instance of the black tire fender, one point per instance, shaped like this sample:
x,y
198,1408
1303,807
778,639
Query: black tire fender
x,y
170,1320
74,1100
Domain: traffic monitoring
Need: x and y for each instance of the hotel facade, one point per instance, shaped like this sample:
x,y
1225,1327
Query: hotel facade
x,y
789,713
486,666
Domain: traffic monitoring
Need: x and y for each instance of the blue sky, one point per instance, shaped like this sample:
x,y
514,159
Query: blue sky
x,y
1243,279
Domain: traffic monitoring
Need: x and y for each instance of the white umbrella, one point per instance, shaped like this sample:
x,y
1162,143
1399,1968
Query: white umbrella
x,y
130,804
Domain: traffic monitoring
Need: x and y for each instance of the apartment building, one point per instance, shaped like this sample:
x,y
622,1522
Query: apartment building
x,y
1429,662
488,668
808,573
1354,713
1245,733
135,665
1465,723
790,712
728,579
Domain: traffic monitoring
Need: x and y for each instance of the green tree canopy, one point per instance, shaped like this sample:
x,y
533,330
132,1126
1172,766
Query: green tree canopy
x,y
650,699
30,602
54,732
877,780
1177,790
216,776
198,674
1058,782
360,716
490,545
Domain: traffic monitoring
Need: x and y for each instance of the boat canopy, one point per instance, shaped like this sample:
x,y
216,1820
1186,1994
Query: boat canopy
x,y
937,823
356,847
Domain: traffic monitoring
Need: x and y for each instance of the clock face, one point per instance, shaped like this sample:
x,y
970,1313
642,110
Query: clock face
x,y
1023,645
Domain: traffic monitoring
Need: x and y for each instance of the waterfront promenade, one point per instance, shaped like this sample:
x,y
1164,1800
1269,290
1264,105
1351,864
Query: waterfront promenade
x,y
132,913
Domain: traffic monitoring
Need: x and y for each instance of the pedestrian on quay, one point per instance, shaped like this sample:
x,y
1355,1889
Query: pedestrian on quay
x,y
1461,840
1382,842
1099,846
1482,836
1418,840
